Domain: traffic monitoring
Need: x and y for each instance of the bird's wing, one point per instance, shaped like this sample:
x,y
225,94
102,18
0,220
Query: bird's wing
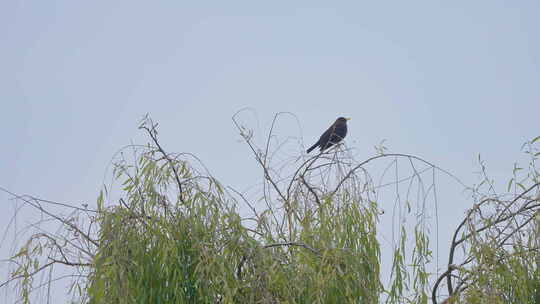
x,y
325,138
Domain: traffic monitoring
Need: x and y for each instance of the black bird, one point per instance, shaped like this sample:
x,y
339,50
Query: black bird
x,y
334,134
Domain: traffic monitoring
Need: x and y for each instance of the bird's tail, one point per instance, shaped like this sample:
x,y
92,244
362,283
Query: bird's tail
x,y
312,147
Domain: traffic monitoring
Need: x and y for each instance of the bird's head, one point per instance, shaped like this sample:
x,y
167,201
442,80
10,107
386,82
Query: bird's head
x,y
342,120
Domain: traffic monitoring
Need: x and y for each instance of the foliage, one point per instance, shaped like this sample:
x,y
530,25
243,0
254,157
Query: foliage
x,y
166,231
499,241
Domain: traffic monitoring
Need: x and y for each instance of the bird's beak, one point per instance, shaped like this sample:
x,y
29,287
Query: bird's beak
x,y
348,118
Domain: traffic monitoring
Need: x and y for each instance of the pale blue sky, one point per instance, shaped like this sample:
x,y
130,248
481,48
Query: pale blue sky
x,y
441,80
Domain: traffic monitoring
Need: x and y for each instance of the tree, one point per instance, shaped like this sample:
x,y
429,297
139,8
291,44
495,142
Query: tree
x,y
169,232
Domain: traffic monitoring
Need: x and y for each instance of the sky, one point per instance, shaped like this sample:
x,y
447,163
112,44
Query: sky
x,y
444,81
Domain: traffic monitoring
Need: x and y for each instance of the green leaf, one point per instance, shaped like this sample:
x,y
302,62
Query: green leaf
x,y
510,184
23,251
535,139
100,201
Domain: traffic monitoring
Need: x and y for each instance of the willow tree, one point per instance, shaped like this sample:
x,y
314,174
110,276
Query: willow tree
x,y
166,231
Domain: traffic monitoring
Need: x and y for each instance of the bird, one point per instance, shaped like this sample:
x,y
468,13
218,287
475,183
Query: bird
x,y
334,134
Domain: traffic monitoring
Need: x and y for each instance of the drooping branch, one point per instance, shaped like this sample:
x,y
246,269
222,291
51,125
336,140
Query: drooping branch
x,y
152,132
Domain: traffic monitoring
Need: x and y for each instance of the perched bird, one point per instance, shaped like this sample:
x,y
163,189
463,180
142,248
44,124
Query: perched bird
x,y
334,134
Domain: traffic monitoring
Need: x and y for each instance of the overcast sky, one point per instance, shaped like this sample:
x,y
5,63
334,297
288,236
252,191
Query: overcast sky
x,y
445,81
